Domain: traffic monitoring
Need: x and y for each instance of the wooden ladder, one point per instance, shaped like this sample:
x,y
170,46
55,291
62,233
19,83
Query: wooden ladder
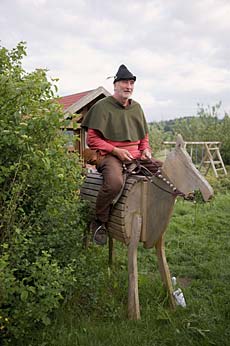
x,y
212,158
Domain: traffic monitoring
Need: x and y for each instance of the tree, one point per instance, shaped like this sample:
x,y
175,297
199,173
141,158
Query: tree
x,y
224,130
156,137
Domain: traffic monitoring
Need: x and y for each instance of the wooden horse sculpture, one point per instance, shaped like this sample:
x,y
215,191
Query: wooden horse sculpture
x,y
143,213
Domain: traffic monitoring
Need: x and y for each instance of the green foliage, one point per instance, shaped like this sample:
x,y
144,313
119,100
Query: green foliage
x,y
221,185
46,278
225,139
197,250
156,137
205,126
41,216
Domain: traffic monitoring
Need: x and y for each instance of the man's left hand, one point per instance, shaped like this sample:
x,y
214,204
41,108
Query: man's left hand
x,y
146,154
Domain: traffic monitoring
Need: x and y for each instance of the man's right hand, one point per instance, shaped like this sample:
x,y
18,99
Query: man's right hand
x,y
122,154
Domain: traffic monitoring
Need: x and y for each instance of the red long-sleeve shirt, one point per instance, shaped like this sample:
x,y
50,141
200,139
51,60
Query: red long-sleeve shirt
x,y
96,141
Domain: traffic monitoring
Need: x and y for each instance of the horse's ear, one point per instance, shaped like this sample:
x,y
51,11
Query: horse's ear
x,y
180,142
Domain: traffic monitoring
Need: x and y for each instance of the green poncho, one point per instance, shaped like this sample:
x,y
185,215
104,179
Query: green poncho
x,y
116,122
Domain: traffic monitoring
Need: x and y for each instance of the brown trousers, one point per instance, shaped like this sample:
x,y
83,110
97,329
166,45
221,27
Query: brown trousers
x,y
111,169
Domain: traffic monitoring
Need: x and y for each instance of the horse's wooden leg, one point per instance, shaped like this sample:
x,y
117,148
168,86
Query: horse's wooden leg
x,y
111,250
133,297
164,270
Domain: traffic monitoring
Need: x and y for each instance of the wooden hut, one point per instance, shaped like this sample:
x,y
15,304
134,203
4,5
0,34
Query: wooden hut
x,y
75,107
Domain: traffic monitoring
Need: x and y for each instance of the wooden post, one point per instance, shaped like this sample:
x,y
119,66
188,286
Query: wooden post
x,y
133,297
164,270
111,250
221,162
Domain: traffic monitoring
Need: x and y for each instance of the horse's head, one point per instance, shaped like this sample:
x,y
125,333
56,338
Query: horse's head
x,y
182,172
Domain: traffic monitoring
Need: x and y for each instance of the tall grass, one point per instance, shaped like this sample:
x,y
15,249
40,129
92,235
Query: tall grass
x,y
198,253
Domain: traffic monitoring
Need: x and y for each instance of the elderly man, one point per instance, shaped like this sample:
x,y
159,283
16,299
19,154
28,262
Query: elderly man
x,y
118,131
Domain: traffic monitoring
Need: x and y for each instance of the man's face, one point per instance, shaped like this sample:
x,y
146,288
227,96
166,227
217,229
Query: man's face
x,y
124,88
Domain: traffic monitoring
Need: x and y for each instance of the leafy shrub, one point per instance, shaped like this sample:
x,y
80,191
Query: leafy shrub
x,y
221,184
41,216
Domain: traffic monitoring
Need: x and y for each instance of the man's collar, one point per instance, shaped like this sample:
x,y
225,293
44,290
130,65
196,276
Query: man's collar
x,y
120,104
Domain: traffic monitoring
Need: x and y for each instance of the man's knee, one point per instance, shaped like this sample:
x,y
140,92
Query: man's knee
x,y
114,186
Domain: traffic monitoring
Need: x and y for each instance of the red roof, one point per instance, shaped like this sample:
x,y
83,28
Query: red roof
x,y
69,100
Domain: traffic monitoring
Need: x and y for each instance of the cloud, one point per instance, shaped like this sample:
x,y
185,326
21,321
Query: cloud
x,y
178,50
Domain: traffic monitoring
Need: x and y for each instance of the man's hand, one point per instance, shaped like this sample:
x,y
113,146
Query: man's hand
x,y
122,154
146,154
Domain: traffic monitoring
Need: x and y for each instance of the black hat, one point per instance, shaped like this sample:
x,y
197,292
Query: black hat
x,y
123,74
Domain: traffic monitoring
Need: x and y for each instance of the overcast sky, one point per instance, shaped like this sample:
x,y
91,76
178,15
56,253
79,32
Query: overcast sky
x,y
179,50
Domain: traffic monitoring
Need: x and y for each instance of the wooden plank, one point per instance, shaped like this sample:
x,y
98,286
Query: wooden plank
x,y
114,225
93,186
118,212
92,194
215,162
89,185
188,143
92,197
133,297
164,270
118,208
94,175
95,180
211,161
89,192
144,206
89,197
118,236
160,207
114,231
117,220
90,189
222,162
118,232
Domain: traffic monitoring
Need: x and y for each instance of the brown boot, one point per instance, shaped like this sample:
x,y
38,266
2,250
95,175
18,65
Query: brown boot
x,y
99,232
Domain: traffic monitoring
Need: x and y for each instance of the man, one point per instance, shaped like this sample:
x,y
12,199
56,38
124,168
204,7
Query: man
x,y
118,131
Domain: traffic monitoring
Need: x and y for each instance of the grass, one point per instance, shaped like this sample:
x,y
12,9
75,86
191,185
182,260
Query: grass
x,y
198,253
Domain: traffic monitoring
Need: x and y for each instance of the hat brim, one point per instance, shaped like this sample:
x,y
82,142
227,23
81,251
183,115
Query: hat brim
x,y
130,78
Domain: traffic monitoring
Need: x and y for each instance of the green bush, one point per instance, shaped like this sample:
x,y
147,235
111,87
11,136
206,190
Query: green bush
x,y
41,215
221,184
